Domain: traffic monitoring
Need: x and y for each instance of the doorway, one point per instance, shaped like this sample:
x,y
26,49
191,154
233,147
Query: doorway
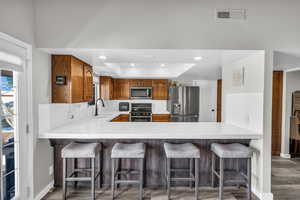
x,y
15,120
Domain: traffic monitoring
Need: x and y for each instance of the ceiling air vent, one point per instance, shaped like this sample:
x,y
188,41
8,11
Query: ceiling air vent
x,y
230,14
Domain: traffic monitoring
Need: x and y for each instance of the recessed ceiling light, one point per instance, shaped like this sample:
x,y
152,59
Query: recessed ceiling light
x,y
102,57
162,65
198,58
132,64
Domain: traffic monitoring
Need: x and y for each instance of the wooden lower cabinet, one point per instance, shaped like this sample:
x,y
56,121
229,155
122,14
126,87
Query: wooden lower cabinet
x,y
121,118
161,117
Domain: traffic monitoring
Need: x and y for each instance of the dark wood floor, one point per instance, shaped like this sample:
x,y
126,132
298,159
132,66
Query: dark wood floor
x,y
286,178
285,186
178,193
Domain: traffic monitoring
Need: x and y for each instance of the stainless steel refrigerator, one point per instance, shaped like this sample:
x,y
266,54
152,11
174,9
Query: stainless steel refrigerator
x,y
183,103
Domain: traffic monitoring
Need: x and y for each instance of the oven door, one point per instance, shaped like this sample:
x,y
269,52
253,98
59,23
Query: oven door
x,y
141,93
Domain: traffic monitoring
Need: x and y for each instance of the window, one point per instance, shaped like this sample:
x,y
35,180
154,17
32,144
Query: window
x,y
9,139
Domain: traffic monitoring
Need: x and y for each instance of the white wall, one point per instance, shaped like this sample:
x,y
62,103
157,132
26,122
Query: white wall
x,y
43,153
207,100
253,80
243,106
16,19
291,84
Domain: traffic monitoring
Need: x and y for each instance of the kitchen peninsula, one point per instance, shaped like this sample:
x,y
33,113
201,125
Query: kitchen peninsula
x,y
153,134
153,110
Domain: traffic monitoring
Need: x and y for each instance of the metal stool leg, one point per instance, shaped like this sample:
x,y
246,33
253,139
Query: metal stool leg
x,y
113,178
93,178
141,178
249,171
213,168
118,168
100,169
191,171
221,179
64,195
75,173
168,177
196,178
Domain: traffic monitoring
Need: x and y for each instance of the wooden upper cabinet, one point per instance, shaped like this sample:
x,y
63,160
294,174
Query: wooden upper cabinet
x,y
121,89
76,80
88,83
160,89
140,83
72,80
61,93
106,87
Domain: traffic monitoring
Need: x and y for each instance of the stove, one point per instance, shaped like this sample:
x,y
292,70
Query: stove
x,y
141,112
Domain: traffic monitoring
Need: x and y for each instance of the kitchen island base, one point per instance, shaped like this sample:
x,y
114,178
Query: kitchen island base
x,y
154,174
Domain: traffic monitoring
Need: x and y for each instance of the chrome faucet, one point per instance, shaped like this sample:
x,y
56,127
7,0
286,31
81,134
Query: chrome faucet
x,y
96,104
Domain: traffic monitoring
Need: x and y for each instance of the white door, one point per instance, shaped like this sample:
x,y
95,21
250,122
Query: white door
x,y
14,120
208,100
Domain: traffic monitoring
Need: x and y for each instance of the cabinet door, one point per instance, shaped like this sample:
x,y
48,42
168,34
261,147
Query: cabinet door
x,y
140,82
121,89
121,118
160,118
76,80
106,87
61,93
88,83
160,89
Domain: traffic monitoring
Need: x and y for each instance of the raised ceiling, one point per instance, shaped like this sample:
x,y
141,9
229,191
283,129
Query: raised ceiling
x,y
151,63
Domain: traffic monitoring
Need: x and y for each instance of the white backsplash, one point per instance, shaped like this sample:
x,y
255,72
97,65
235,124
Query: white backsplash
x,y
112,106
245,110
54,115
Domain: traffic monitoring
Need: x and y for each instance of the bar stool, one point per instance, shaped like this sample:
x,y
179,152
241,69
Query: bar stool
x,y
182,151
76,150
127,151
225,151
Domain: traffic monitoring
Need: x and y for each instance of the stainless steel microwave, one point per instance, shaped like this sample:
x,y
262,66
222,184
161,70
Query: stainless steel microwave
x,y
141,92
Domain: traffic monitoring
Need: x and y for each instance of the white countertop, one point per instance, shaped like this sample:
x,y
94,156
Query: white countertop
x,y
101,128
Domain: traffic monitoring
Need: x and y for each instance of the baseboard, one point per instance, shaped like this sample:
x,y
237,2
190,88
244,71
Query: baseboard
x,y
267,196
44,191
284,155
263,196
